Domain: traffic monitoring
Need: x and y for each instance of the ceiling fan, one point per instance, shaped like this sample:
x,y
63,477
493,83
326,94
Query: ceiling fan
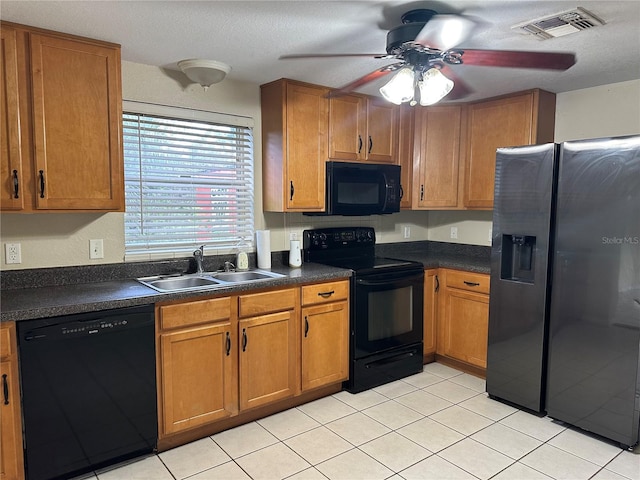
x,y
424,50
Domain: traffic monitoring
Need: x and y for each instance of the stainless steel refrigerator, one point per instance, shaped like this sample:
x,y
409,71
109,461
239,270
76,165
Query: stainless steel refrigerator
x,y
564,311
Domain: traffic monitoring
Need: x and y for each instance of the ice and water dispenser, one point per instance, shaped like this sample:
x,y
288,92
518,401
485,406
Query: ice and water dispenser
x,y
518,258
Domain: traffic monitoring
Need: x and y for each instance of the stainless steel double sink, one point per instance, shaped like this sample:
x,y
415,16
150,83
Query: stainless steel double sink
x,y
202,281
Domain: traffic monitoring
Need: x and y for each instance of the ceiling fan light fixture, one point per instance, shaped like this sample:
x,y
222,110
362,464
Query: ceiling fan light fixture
x,y
401,87
204,72
433,87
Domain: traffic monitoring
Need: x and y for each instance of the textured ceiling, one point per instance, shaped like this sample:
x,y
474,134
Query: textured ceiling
x,y
250,36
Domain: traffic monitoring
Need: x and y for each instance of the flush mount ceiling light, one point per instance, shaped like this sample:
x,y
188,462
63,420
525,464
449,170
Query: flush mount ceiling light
x,y
204,72
430,83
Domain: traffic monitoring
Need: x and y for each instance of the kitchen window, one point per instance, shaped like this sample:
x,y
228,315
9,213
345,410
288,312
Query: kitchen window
x,y
188,181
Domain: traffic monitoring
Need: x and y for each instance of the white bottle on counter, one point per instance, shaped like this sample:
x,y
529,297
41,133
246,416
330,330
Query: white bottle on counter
x,y
295,253
242,258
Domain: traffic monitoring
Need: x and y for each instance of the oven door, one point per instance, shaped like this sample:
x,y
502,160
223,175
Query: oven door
x,y
387,311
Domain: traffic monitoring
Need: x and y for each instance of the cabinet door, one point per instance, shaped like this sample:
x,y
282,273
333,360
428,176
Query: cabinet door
x,y
405,152
381,143
77,122
12,181
437,156
11,456
431,288
267,359
347,128
306,144
466,326
198,379
325,344
505,122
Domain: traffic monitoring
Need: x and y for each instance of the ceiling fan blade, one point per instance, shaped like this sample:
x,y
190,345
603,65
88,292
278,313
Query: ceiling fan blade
x,y
518,59
369,77
443,32
334,55
460,88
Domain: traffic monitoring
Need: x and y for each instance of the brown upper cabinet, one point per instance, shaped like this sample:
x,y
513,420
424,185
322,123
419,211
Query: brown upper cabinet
x,y
405,152
520,119
294,146
62,122
436,174
363,128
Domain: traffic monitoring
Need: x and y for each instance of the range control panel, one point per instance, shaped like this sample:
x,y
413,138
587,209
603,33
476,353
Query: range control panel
x,y
338,238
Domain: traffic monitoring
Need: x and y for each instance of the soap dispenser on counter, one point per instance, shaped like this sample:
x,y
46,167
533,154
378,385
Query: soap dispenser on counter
x,y
242,257
295,254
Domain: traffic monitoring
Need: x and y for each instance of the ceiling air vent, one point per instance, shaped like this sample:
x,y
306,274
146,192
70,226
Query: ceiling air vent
x,y
560,24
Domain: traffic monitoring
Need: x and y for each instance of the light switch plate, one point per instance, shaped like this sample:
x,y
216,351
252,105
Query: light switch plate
x,y
96,248
454,232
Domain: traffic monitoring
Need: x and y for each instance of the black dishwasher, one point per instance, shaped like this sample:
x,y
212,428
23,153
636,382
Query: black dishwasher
x,y
88,390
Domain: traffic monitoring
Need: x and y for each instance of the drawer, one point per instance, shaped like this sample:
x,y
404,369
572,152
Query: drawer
x,y
474,282
259,303
193,313
5,342
325,292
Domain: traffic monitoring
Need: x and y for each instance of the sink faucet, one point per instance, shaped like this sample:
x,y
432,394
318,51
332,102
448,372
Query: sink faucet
x,y
198,254
229,267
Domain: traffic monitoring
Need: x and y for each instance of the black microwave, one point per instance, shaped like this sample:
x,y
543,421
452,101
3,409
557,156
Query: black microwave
x,y
361,189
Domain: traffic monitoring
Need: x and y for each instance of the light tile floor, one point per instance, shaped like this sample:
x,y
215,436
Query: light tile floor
x,y
438,424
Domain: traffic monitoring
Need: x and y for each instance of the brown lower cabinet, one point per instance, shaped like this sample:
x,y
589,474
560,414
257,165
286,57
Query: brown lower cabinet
x,y
463,318
11,460
228,358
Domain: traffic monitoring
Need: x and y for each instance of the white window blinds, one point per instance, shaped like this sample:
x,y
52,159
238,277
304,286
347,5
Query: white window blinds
x,y
187,183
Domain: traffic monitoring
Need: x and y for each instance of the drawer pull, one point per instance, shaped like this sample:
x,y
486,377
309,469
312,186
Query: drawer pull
x,y
471,284
16,184
5,389
326,294
41,183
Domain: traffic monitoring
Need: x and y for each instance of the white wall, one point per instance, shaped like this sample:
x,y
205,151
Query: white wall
x,y
50,240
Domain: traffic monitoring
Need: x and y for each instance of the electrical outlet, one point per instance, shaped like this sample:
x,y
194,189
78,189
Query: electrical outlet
x,y
12,253
406,231
454,232
96,248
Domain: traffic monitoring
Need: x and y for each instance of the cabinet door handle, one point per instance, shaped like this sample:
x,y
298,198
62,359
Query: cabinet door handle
x,y
244,339
16,185
359,144
437,283
306,326
471,284
228,344
5,389
421,192
291,190
370,144
41,183
326,294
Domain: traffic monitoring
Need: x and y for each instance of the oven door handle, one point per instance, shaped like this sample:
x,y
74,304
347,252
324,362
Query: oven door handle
x,y
386,279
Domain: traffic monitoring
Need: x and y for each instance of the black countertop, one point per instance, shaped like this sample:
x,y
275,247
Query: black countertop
x,y
49,292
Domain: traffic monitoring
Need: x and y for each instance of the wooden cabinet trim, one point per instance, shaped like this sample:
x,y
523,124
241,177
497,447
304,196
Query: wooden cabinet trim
x,y
265,302
195,312
325,292
473,282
